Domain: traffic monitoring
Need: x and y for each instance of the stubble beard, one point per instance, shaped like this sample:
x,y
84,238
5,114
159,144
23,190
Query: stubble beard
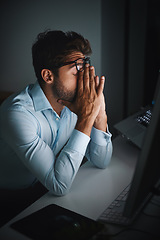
x,y
60,92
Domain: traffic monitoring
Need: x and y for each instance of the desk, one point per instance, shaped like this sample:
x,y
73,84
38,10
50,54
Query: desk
x,y
93,189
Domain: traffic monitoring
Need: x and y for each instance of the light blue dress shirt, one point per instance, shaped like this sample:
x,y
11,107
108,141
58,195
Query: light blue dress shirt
x,y
37,144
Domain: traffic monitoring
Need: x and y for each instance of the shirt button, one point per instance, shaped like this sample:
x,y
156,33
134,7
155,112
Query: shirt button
x,y
57,119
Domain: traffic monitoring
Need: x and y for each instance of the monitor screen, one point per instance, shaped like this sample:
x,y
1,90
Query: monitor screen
x,y
147,171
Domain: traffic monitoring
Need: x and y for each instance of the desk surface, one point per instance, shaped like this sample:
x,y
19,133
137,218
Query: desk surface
x,y
93,189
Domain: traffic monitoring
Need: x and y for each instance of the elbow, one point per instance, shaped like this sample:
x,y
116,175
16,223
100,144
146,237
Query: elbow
x,y
107,157
104,164
60,190
59,193
59,182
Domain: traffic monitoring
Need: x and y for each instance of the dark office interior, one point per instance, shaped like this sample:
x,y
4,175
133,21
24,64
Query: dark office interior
x,y
130,54
125,35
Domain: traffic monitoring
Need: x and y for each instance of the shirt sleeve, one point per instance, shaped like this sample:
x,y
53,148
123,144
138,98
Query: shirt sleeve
x,y
68,162
20,131
100,148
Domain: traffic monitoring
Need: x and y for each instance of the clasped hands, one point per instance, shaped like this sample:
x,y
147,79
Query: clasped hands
x,y
89,103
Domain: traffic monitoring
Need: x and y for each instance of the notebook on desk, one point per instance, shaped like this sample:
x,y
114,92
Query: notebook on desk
x,y
55,222
134,127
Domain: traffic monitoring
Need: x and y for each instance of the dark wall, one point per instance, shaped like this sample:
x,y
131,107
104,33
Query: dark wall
x,y
124,34
20,23
130,55
113,57
152,49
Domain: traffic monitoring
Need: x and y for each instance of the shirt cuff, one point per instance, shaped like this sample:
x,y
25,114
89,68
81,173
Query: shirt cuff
x,y
78,141
99,137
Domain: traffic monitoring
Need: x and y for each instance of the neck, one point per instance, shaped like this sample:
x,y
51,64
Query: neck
x,y
57,107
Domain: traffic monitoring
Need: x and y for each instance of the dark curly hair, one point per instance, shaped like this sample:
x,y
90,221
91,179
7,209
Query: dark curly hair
x,y
51,48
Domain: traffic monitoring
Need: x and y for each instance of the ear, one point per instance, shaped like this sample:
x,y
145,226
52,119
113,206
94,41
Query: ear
x,y
47,76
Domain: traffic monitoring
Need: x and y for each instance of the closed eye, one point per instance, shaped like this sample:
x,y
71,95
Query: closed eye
x,y
73,65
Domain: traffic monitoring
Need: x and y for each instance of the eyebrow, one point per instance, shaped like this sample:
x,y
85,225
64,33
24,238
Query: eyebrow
x,y
73,62
72,65
70,62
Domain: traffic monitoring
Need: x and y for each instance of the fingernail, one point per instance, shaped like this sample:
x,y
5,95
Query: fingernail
x,y
91,67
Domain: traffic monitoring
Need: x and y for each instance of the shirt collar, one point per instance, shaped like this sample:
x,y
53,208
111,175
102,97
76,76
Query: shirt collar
x,y
39,99
41,103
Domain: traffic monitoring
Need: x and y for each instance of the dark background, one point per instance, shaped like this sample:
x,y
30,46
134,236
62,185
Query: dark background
x,y
124,35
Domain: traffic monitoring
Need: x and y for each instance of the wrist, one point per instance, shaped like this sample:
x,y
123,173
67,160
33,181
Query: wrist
x,y
85,125
101,123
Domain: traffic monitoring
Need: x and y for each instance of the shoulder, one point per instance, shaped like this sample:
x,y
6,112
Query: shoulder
x,y
17,106
19,100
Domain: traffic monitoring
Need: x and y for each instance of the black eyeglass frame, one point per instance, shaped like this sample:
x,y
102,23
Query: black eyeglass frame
x,y
85,61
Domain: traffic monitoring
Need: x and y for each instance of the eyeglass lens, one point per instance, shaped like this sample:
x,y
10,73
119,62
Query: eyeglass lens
x,y
80,63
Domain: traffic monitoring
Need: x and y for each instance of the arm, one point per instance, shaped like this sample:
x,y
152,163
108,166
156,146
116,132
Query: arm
x,y
22,133
99,150
89,106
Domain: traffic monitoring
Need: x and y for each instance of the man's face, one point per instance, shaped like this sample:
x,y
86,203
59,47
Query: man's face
x,y
65,85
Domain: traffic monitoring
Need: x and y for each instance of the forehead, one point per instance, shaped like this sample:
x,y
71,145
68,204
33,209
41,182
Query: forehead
x,y
75,55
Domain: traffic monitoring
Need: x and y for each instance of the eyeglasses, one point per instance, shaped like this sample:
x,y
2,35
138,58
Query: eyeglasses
x,y
79,63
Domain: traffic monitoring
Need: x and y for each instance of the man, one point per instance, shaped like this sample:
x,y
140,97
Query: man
x,y
48,128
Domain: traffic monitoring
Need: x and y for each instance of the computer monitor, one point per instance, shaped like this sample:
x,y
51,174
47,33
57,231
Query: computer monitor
x,y
147,171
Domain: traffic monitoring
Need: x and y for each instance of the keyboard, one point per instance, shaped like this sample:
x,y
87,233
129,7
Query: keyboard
x,y
114,212
144,118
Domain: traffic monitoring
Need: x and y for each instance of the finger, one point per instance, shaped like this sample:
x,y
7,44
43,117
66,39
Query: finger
x,y
86,83
101,85
96,81
80,83
92,78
